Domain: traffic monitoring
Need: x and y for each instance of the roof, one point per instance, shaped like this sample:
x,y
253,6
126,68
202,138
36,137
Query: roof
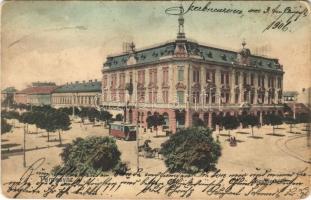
x,y
9,90
207,53
290,93
38,90
94,86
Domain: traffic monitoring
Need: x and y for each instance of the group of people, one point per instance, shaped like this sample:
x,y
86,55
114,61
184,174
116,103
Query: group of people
x,y
232,141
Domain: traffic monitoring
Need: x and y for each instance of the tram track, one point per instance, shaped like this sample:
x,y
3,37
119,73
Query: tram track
x,y
288,151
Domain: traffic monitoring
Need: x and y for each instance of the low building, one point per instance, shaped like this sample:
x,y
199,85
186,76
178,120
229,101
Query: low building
x,y
80,94
290,96
38,94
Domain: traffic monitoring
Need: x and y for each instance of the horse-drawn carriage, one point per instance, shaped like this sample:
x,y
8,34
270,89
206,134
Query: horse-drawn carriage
x,y
147,152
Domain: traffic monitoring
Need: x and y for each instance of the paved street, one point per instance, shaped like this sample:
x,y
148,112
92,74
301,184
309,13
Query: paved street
x,y
283,152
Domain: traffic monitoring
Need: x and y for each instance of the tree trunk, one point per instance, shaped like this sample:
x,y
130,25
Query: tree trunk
x,y
60,138
229,132
272,130
290,128
156,128
48,136
252,132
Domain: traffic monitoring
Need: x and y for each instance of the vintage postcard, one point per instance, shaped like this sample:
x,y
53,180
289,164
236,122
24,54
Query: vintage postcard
x,y
155,99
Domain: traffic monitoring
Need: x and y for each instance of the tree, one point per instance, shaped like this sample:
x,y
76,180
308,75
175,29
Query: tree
x,y
119,117
274,120
252,120
191,150
155,120
28,118
230,122
92,114
83,114
290,120
10,115
61,122
198,122
5,127
89,157
105,116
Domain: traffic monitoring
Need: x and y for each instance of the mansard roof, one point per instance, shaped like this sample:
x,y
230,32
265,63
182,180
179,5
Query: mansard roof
x,y
38,90
205,52
91,86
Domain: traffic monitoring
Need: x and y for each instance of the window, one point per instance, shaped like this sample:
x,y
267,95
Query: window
x,y
236,78
155,76
150,76
236,97
213,76
196,97
227,78
150,97
213,97
244,79
122,80
105,81
222,77
165,96
196,75
208,76
141,76
180,74
131,77
180,97
165,75
252,79
252,98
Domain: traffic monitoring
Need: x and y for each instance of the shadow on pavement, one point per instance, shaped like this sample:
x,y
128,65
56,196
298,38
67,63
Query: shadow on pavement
x,y
294,132
10,145
240,132
276,134
222,134
255,137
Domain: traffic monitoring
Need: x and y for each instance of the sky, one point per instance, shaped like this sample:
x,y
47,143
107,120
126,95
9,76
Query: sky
x,y
67,41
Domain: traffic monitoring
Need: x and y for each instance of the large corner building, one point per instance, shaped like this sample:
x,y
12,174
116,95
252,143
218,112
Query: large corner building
x,y
185,80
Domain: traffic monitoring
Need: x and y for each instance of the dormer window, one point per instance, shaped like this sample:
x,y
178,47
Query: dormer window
x,y
224,57
260,63
209,54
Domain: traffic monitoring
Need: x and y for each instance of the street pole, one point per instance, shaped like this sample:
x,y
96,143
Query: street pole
x,y
24,161
125,112
294,109
137,132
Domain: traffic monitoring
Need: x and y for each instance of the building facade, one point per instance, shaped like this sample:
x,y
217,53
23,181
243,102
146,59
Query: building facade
x,y
80,94
38,94
184,80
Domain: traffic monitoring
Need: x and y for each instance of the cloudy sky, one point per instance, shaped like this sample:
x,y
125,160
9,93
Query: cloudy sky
x,y
68,41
